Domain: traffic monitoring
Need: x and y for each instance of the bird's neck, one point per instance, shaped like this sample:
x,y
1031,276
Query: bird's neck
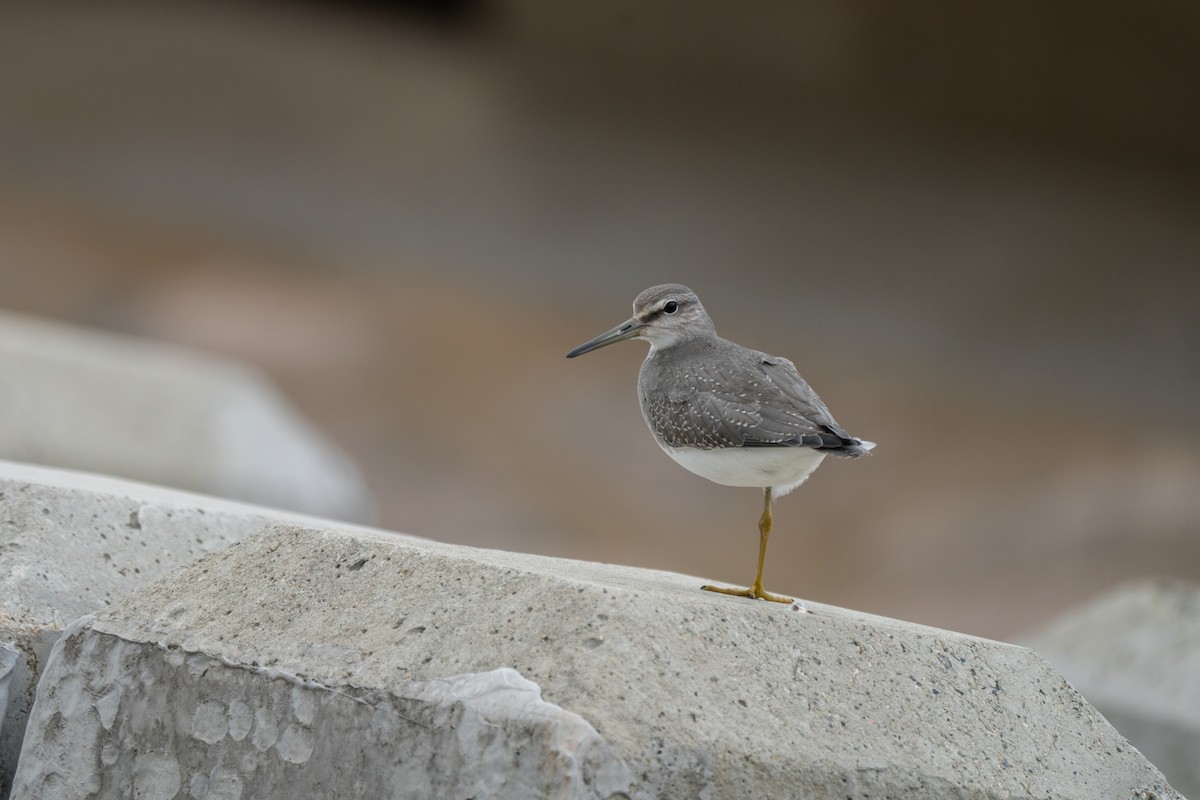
x,y
682,343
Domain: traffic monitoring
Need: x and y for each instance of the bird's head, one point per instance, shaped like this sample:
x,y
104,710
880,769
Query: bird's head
x,y
662,315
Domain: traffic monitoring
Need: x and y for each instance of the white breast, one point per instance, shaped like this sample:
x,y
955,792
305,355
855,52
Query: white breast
x,y
782,468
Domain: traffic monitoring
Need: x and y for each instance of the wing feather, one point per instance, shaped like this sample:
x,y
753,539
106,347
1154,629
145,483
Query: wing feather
x,y
735,401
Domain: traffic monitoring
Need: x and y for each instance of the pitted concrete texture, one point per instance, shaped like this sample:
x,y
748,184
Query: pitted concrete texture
x,y
71,543
1135,654
302,663
115,405
280,735
10,656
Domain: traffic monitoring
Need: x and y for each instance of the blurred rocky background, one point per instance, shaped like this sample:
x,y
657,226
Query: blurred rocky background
x,y
975,228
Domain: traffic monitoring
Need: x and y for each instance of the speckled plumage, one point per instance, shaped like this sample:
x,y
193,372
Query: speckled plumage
x,y
713,393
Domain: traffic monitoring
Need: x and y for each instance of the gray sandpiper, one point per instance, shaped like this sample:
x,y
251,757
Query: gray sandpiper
x,y
725,412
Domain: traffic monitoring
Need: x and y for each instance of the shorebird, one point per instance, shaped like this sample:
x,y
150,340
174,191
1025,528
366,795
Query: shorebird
x,y
733,415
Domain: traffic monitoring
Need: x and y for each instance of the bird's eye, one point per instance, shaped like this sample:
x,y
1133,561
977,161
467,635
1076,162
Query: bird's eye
x,y
671,307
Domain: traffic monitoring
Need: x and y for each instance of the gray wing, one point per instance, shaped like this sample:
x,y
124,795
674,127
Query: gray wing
x,y
751,400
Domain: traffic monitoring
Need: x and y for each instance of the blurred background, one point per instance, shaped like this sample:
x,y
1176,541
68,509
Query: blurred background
x,y
975,229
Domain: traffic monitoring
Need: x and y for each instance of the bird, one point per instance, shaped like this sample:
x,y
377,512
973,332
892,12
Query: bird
x,y
736,416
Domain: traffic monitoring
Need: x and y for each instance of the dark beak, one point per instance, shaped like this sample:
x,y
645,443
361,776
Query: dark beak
x,y
626,330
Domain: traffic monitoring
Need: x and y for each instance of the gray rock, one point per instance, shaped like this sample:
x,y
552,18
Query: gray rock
x,y
9,657
95,401
308,662
70,543
1135,653
271,733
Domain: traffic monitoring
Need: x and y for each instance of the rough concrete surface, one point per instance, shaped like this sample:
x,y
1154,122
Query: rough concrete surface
x,y
326,663
88,400
1135,654
9,656
71,543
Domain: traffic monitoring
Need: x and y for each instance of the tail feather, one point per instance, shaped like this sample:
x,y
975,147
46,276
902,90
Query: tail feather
x,y
854,449
842,445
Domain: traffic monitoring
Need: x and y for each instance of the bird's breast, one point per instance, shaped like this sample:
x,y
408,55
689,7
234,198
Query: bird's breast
x,y
782,468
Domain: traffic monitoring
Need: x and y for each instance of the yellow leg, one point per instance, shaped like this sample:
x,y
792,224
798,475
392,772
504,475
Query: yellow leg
x,y
764,533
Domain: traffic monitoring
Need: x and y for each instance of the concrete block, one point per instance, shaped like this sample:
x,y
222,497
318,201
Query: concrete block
x,y
10,656
1135,654
116,405
71,543
325,663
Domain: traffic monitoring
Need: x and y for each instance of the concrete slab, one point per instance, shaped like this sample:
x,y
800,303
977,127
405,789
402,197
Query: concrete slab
x,y
1134,653
71,543
89,400
305,662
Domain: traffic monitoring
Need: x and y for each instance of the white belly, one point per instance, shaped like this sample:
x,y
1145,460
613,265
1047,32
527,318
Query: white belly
x,y
782,468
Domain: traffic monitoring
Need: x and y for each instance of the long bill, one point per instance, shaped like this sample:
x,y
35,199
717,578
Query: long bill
x,y
626,330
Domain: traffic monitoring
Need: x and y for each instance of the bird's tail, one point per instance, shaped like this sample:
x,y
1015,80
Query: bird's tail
x,y
856,448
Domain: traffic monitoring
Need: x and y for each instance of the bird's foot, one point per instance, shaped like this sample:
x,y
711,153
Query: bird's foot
x,y
755,592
